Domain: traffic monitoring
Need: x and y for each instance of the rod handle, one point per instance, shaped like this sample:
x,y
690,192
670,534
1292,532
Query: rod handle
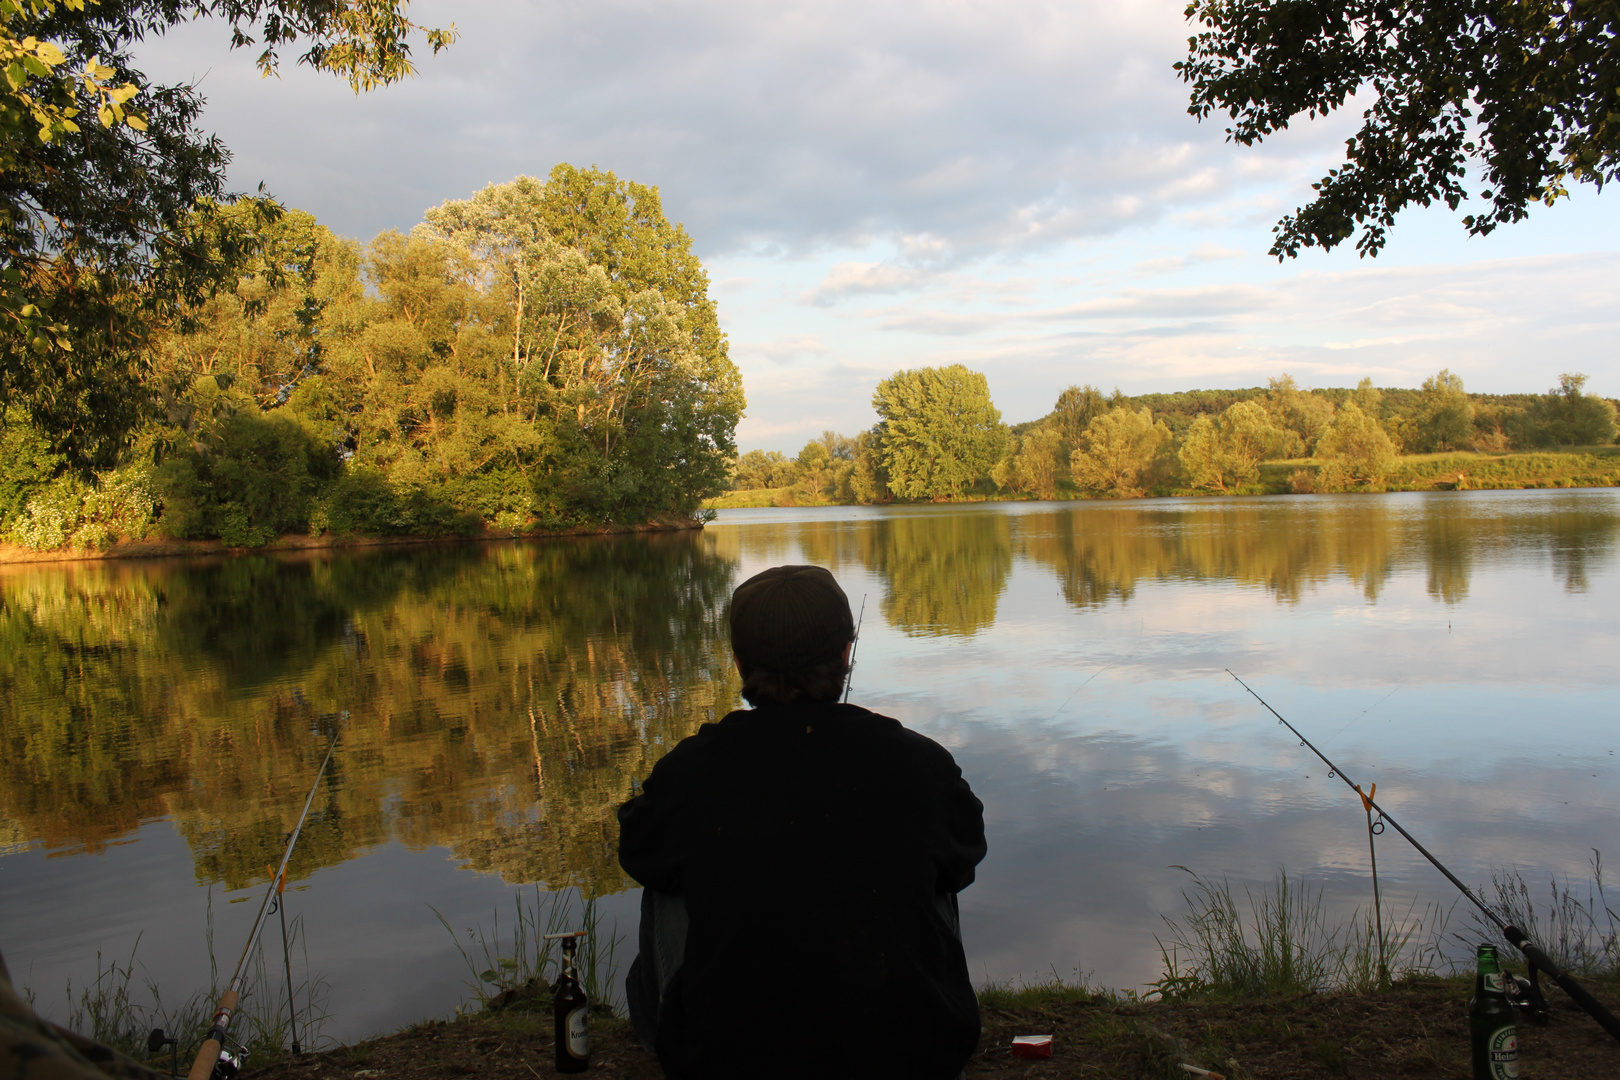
x,y
208,1054
1575,990
207,1057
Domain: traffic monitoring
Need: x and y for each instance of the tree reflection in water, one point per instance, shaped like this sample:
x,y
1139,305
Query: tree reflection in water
x,y
499,701
502,700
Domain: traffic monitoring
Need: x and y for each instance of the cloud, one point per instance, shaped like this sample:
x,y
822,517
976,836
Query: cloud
x,y
1203,253
858,279
783,349
957,128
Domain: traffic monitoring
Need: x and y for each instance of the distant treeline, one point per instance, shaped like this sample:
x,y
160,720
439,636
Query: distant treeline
x,y
541,356
940,437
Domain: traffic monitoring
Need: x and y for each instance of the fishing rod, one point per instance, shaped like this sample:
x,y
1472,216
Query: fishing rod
x,y
854,643
208,1055
1538,960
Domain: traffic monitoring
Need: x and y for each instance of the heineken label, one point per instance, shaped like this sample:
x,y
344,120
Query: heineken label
x,y
579,1038
1493,981
1504,1053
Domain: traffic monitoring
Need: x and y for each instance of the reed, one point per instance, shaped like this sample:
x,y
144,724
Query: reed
x,y
1576,924
116,1010
521,960
1284,943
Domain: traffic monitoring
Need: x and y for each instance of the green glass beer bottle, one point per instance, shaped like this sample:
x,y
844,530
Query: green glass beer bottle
x,y
1491,1031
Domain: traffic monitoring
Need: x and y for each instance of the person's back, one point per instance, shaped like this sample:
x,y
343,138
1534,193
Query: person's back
x,y
816,850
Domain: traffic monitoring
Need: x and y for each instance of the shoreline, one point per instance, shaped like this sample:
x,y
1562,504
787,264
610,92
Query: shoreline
x,y
1585,467
16,555
1418,1027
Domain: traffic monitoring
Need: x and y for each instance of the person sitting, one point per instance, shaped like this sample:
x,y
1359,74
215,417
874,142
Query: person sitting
x,y
800,863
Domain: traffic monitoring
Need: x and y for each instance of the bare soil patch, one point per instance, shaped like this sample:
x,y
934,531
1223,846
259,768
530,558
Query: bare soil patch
x,y
1417,1029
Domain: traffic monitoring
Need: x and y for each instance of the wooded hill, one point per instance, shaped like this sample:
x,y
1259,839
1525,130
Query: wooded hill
x,y
939,438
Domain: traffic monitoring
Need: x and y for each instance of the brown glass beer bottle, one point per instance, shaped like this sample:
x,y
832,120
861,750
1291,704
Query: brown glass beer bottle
x,y
572,1014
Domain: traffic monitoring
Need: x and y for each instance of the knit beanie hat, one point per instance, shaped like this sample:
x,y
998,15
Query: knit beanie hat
x,y
789,618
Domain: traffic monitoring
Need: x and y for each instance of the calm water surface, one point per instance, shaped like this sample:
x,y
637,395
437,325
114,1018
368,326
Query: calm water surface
x,y
159,722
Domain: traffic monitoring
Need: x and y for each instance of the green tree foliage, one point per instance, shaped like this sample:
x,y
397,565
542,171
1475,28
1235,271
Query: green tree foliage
x,y
939,433
1225,453
248,478
1524,92
1567,416
1119,452
1369,399
612,350
494,370
1444,419
1302,416
765,469
869,479
109,229
1034,464
1074,411
1354,451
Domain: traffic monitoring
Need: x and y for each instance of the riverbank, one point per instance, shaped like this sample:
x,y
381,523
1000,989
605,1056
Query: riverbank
x,y
1453,471
1417,1028
294,542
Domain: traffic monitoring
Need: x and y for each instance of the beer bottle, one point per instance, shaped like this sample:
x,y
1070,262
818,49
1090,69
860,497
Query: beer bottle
x,y
572,1014
1494,1038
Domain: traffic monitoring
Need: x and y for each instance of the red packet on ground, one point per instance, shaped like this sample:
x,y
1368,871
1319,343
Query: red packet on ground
x,y
1032,1046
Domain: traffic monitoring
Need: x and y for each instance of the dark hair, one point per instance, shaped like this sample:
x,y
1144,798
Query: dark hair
x,y
818,682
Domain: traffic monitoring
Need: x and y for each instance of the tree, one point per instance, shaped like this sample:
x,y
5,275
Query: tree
x,y
759,469
614,346
1118,451
1034,463
110,229
1369,399
940,433
1355,450
1566,416
1523,92
496,370
1445,418
1300,414
1076,408
1226,452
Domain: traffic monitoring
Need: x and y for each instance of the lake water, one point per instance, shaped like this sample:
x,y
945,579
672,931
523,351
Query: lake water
x,y
160,721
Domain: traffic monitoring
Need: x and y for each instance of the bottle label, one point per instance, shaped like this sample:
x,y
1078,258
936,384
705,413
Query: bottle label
x,y
579,1036
1493,981
1504,1053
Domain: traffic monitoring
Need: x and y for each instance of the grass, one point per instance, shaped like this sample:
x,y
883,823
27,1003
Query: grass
x,y
760,497
1284,944
522,963
1577,927
116,1011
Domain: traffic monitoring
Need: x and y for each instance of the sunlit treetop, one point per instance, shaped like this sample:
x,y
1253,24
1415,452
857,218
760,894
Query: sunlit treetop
x,y
108,188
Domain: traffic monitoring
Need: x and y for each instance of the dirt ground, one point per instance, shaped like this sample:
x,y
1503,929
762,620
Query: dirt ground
x,y
1416,1030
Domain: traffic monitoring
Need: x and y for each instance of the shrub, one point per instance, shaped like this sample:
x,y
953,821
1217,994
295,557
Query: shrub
x,y
364,502
69,513
248,479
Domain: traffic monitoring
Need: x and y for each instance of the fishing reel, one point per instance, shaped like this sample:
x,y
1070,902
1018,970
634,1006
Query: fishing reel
x,y
229,1064
1525,995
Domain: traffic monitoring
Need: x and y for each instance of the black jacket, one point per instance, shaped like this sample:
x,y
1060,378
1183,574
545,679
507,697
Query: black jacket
x,y
819,849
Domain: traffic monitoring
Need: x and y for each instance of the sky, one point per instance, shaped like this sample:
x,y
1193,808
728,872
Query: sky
x,y
1014,186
